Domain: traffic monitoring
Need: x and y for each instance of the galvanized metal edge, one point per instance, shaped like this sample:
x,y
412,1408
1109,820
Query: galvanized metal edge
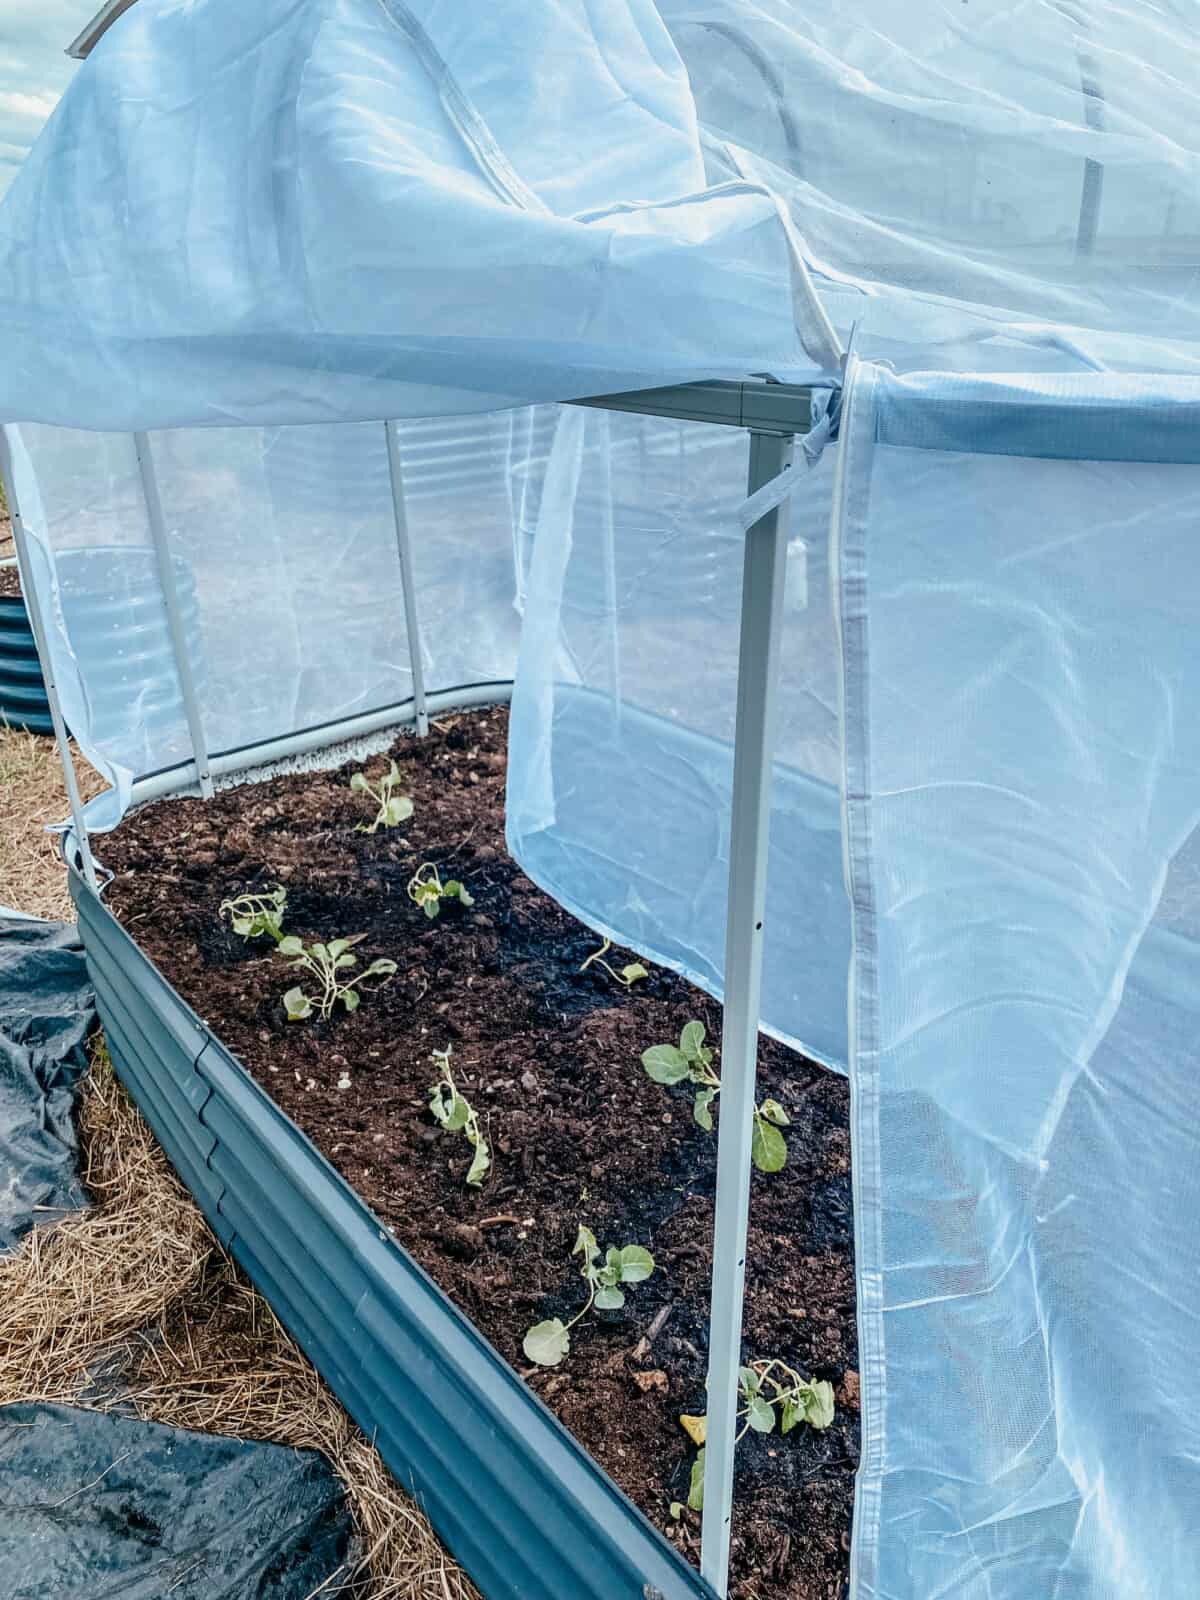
x,y
523,1508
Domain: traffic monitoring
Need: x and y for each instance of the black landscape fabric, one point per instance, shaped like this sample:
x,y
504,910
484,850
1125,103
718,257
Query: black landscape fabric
x,y
46,1013
97,1506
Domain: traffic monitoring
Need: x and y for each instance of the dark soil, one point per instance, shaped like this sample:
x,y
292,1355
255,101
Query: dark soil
x,y
550,1059
10,581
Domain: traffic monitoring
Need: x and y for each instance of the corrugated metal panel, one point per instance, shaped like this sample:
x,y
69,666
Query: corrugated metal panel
x,y
523,1508
23,702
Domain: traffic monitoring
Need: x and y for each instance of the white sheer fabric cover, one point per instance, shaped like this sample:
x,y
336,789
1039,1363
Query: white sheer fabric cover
x,y
246,218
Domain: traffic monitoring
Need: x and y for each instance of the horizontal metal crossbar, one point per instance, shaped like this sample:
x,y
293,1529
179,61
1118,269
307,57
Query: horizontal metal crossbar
x,y
758,405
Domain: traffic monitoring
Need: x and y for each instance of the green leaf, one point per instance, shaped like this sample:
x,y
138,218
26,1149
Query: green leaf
x,y
702,1108
636,1264
351,999
691,1040
696,1486
609,1299
344,961
432,905
749,1381
297,1005
358,783
761,1416
819,1406
677,1510
321,951
464,898
633,972
480,1163
399,810
547,1343
585,1245
767,1149
393,772
612,1263
336,946
774,1112
383,968
457,1115
792,1413
665,1064
291,946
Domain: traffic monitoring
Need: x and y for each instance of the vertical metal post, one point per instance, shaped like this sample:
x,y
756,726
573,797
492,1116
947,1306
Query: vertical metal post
x,y
407,582
175,627
762,612
33,604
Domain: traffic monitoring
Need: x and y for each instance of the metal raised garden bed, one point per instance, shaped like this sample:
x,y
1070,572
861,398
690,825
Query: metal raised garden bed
x,y
522,1507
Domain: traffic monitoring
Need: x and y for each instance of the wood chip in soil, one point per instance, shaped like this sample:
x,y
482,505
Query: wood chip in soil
x,y
550,1058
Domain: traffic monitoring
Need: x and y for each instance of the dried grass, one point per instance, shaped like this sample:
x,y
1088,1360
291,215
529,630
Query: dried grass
x,y
134,1303
32,794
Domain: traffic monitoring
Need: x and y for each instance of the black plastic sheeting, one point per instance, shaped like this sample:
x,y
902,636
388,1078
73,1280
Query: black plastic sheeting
x,y
97,1506
46,1011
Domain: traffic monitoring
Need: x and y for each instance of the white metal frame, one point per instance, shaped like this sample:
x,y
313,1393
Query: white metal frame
x,y
412,626
175,625
37,621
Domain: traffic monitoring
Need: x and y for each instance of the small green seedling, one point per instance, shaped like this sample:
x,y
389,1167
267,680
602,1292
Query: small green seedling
x,y
428,891
768,1149
628,975
455,1114
393,808
548,1342
692,1060
327,963
770,1392
252,915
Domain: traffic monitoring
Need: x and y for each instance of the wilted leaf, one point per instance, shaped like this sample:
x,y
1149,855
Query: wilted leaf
x,y
696,1487
291,946
358,783
761,1415
297,1005
480,1163
350,999
792,1413
696,1428
585,1245
774,1112
457,1114
767,1148
547,1343
633,972
702,1108
609,1299
819,1406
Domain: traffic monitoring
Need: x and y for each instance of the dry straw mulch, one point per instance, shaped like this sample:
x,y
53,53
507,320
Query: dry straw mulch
x,y
32,794
133,1304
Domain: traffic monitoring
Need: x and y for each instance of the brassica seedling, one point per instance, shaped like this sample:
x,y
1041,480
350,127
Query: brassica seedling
x,y
455,1114
327,963
393,808
548,1342
692,1060
770,1392
252,915
628,975
428,891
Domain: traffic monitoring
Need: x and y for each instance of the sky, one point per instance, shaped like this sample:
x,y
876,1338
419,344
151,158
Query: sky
x,y
33,69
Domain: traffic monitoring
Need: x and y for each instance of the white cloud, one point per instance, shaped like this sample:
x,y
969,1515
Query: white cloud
x,y
34,69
